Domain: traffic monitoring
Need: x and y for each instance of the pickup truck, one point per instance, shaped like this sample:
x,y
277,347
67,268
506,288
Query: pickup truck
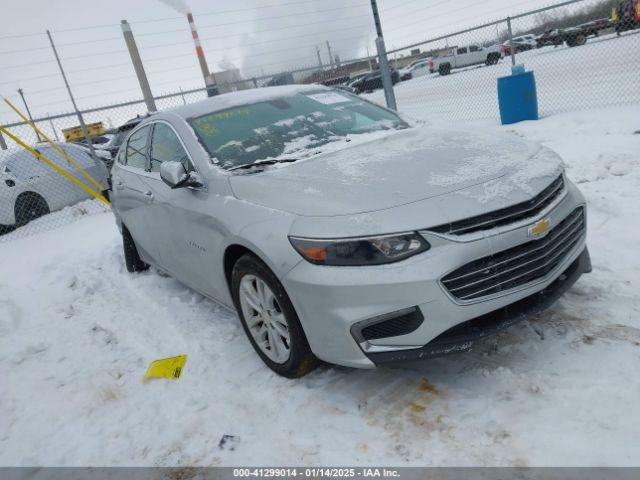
x,y
464,57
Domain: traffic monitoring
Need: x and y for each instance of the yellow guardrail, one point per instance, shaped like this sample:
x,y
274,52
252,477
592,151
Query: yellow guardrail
x,y
55,147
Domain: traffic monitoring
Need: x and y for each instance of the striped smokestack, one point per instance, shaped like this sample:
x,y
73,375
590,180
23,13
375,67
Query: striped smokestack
x,y
208,78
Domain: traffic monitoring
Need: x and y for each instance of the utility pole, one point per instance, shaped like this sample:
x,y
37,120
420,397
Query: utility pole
x,y
87,137
138,66
369,59
319,58
330,57
28,112
382,59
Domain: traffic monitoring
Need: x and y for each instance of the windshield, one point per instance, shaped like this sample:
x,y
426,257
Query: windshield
x,y
300,125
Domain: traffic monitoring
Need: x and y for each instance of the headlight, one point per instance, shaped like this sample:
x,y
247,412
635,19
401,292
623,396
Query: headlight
x,y
360,251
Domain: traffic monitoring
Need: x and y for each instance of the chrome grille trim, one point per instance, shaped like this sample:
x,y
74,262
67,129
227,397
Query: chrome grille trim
x,y
519,265
504,216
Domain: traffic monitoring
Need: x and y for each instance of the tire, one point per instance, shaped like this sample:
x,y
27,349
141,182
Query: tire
x,y
492,59
131,257
280,315
28,207
444,69
577,40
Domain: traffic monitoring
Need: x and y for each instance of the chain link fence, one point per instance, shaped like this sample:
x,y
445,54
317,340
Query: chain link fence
x,y
585,54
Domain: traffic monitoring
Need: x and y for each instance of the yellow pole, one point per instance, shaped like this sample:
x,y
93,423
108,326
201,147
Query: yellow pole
x,y
56,168
56,147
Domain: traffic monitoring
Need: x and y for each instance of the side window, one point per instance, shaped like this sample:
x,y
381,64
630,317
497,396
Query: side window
x,y
474,48
136,148
166,147
462,51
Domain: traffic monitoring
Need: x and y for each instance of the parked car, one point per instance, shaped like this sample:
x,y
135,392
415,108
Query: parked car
x,y
573,37
102,154
118,135
419,68
30,189
372,81
550,37
281,79
466,57
341,232
521,43
627,15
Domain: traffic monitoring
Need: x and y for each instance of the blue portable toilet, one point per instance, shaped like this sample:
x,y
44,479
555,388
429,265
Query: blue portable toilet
x,y
517,96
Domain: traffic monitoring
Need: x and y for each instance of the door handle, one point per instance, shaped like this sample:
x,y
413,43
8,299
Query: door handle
x,y
149,195
119,185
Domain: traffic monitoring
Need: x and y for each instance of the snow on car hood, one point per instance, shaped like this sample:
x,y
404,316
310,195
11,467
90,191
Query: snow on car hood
x,y
400,168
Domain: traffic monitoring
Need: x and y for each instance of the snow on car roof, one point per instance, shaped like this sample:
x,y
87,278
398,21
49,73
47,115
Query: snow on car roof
x,y
239,98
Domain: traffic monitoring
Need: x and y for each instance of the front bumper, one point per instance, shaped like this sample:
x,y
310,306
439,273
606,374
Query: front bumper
x,y
330,301
461,337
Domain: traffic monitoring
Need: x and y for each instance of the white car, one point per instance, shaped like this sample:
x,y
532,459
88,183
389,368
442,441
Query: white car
x,y
465,57
30,189
419,68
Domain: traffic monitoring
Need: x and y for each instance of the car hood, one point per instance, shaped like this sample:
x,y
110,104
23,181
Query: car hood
x,y
401,168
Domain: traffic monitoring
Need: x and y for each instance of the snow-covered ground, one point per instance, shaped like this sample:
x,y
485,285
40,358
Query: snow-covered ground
x,y
601,73
77,333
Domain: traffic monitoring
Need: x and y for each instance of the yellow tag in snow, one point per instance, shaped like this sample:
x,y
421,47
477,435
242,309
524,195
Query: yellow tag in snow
x,y
166,368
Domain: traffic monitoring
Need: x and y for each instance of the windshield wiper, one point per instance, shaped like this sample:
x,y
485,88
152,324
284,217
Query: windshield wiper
x,y
264,162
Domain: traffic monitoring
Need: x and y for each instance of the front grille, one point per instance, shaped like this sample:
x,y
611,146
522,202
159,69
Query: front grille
x,y
507,215
518,265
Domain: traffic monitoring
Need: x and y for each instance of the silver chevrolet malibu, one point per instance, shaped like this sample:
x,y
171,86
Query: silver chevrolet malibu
x,y
341,231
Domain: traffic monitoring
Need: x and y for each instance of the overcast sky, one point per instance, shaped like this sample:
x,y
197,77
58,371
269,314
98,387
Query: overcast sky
x,y
257,36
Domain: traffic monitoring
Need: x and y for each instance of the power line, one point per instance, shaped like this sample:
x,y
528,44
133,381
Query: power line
x,y
186,30
203,14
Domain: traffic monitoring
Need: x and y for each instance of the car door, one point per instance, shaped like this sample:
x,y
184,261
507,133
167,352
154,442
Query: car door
x,y
476,55
184,219
462,57
132,196
420,69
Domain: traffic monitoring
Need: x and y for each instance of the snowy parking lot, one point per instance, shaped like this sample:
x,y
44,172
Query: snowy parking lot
x,y
77,333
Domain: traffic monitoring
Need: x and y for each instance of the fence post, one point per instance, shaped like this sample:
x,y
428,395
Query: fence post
x,y
53,128
73,101
26,106
138,66
511,48
382,60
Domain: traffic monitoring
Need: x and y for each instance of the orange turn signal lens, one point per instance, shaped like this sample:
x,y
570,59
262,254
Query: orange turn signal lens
x,y
317,254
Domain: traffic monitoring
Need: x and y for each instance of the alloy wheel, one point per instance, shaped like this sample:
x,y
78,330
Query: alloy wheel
x,y
264,318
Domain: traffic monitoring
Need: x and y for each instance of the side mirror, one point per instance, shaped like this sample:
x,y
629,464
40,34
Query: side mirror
x,y
176,176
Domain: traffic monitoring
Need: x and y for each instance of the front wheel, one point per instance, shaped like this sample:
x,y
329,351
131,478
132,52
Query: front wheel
x,y
269,319
131,256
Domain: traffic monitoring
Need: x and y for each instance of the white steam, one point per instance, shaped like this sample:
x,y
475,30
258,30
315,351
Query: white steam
x,y
178,5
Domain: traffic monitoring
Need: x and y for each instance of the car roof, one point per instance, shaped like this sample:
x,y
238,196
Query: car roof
x,y
241,97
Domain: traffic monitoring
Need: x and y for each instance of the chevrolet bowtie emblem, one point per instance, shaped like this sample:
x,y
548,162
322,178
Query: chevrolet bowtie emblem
x,y
540,228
